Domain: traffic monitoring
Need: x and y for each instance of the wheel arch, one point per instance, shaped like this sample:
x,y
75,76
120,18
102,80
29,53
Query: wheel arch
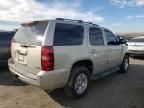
x,y
86,62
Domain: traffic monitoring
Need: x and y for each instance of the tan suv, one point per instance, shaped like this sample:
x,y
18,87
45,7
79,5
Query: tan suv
x,y
65,53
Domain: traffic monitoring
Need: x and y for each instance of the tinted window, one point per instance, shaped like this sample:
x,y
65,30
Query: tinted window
x,y
68,34
6,36
111,39
31,33
96,36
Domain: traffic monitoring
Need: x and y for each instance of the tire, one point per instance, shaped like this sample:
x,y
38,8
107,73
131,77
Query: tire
x,y
125,64
78,83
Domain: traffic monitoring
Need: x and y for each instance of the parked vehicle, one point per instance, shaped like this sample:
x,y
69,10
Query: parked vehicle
x,y
136,46
65,53
5,42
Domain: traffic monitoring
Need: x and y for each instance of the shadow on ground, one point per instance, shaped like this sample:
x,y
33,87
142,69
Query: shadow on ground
x,y
6,78
113,91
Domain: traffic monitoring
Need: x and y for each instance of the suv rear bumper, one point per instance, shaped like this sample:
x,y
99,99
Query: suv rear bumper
x,y
45,80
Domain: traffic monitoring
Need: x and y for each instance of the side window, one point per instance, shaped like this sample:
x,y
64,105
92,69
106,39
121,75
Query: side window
x,y
111,39
68,34
96,36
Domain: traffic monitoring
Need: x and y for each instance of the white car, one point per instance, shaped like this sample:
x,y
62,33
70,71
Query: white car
x,y
136,46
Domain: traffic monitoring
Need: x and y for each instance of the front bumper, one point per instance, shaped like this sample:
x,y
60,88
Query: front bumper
x,y
45,80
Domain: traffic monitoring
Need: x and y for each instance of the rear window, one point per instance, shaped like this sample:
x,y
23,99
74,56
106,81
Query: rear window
x,y
96,36
31,34
68,34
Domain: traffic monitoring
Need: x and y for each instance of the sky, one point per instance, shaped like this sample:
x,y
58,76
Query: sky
x,y
118,15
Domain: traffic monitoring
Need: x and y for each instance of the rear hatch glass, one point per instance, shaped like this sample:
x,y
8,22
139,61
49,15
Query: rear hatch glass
x,y
31,33
26,47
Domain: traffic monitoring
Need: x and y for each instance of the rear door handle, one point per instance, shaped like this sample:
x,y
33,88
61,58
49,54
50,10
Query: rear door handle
x,y
93,51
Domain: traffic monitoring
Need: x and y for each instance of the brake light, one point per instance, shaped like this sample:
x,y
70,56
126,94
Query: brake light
x,y
47,58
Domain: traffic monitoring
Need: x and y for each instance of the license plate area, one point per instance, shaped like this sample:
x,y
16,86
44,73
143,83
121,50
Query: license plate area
x,y
20,58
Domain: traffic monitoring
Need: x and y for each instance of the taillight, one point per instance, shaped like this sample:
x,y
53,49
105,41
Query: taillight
x,y
47,58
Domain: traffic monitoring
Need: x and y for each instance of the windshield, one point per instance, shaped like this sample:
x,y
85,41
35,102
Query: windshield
x,y
31,34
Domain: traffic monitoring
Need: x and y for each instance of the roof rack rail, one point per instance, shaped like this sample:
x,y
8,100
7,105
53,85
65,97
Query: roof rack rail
x,y
80,21
91,23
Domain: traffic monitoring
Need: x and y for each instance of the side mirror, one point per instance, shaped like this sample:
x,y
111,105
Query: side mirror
x,y
122,41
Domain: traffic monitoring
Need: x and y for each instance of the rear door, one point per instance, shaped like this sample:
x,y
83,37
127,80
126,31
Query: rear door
x,y
26,46
97,49
69,44
115,52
